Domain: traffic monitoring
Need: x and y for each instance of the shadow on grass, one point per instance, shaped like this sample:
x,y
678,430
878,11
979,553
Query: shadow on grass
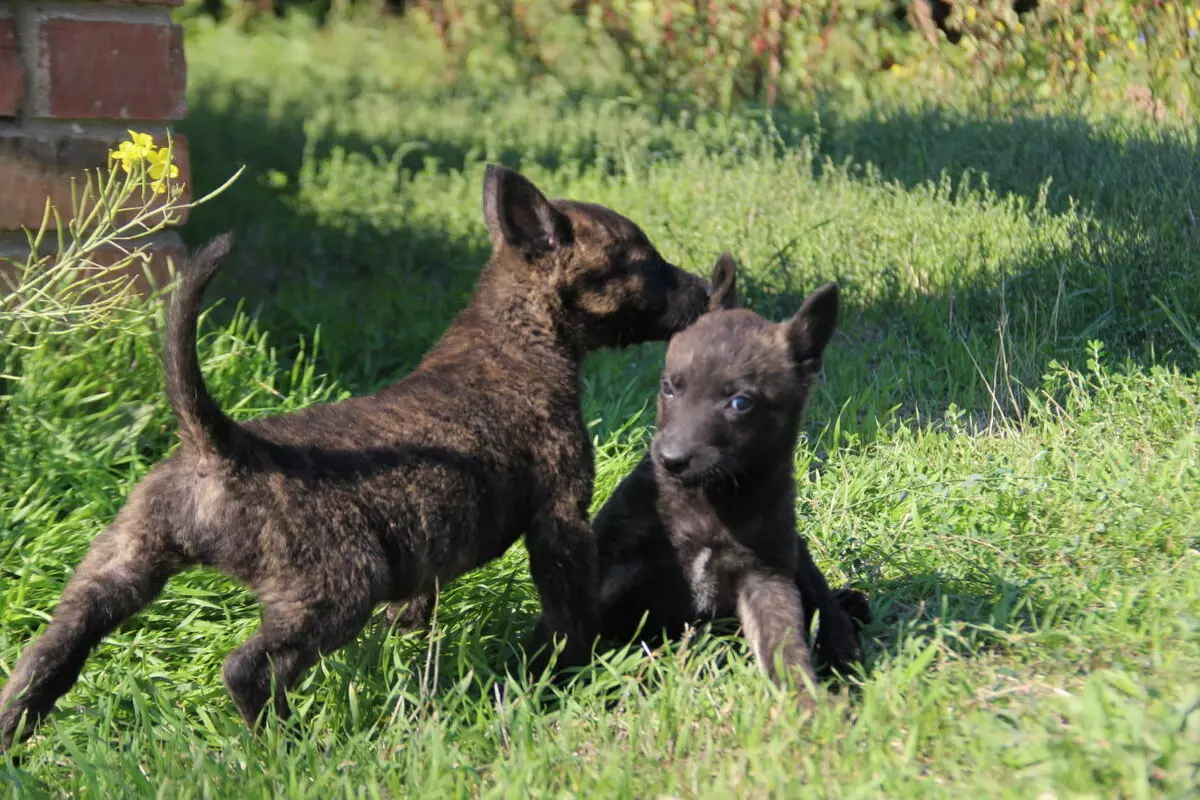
x,y
1140,186
1124,274
1122,173
965,617
972,617
380,289
1136,244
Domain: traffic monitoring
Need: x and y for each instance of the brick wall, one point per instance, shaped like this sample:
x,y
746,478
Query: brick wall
x,y
74,75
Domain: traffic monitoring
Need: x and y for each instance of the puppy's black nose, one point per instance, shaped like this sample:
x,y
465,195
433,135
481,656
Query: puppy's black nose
x,y
673,461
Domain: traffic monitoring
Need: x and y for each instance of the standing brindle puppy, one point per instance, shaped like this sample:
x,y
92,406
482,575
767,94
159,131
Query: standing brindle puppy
x,y
329,511
705,525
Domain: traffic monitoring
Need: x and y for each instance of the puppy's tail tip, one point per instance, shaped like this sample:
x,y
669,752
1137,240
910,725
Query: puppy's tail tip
x,y
203,265
203,426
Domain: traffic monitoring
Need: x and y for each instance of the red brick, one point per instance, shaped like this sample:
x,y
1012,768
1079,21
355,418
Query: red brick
x,y
112,70
36,166
12,75
163,249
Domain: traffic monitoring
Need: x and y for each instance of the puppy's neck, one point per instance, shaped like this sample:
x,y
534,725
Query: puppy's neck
x,y
530,308
516,319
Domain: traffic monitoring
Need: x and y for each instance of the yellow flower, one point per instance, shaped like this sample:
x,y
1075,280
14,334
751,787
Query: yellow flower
x,y
1112,37
161,169
137,149
969,16
1133,48
998,25
140,151
901,70
1070,65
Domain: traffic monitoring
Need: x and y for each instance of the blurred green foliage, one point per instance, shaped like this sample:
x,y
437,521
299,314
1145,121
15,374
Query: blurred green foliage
x,y
723,52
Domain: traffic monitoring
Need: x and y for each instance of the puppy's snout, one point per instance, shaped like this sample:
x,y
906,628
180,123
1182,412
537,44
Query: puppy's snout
x,y
674,460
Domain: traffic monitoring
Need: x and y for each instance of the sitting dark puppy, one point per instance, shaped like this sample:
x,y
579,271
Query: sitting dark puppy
x,y
705,526
328,511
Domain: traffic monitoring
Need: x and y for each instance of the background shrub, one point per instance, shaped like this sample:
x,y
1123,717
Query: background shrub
x,y
717,53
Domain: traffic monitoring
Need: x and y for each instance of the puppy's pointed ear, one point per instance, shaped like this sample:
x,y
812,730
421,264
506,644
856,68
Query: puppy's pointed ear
x,y
812,327
520,216
724,284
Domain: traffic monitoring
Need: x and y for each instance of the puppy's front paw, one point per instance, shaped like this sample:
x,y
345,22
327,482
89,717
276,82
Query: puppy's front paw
x,y
838,638
840,654
854,603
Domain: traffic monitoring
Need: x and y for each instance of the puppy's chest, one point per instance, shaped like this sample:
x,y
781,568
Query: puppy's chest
x,y
713,561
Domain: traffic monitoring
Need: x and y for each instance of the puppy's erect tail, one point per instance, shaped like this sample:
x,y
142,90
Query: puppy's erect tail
x,y
203,426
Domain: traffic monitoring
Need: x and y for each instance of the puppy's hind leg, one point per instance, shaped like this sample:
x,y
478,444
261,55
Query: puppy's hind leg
x,y
772,617
413,614
298,627
123,571
837,637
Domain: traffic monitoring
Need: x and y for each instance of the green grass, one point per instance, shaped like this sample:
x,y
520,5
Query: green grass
x,y
1022,503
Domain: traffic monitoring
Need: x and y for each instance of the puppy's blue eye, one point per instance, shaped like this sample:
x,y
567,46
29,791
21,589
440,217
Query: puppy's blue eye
x,y
741,403
667,389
